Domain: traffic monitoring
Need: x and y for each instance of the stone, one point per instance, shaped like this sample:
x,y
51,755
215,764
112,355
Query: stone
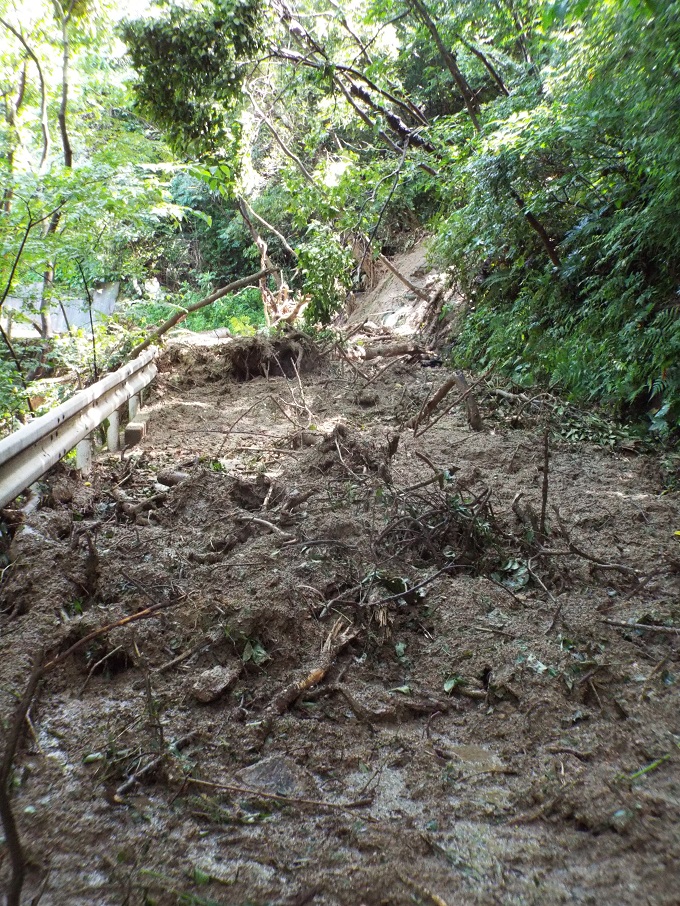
x,y
134,433
279,774
209,685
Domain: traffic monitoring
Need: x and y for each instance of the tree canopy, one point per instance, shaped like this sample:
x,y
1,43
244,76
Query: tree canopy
x,y
535,139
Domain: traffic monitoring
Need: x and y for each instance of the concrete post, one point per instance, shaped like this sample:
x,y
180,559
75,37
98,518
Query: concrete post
x,y
84,455
113,432
133,407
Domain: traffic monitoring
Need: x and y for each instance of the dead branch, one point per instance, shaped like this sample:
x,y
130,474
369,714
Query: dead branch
x,y
373,352
288,800
398,274
180,315
335,642
16,853
473,414
672,630
460,399
431,404
156,762
546,473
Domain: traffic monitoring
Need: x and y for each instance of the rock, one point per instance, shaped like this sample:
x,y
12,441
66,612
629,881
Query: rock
x,y
279,774
209,685
135,432
368,399
62,491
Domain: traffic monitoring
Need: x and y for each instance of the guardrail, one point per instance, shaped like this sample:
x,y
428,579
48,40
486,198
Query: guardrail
x,y
29,452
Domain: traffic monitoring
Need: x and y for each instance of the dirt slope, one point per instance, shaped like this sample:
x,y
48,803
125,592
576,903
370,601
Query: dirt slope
x,y
407,692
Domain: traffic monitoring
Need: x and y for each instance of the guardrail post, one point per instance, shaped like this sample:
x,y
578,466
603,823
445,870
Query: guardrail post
x,y
113,432
84,455
133,406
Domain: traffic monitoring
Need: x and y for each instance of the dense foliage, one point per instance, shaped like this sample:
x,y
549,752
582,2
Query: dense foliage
x,y
591,145
536,139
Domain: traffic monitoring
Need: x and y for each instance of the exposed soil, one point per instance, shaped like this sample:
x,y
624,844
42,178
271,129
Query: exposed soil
x,y
375,677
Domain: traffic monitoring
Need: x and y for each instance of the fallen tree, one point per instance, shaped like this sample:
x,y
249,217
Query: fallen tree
x,y
180,315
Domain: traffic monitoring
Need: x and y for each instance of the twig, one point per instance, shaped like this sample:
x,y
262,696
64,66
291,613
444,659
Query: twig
x,y
672,630
103,630
567,750
266,524
382,371
439,479
17,365
16,853
144,590
233,424
351,364
296,425
288,800
506,589
421,891
94,667
573,549
338,599
203,644
89,307
374,231
494,629
559,604
152,765
279,451
546,473
409,591
655,672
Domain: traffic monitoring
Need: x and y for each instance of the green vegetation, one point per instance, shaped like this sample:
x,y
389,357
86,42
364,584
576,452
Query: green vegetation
x,y
536,139
241,313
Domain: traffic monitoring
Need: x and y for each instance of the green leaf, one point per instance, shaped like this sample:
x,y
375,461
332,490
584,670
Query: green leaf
x,y
403,690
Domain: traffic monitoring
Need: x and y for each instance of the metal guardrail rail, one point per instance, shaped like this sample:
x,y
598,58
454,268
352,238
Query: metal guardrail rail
x,y
29,452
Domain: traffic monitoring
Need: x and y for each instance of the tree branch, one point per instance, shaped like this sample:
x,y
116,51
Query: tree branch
x,y
16,853
44,123
268,226
279,141
421,11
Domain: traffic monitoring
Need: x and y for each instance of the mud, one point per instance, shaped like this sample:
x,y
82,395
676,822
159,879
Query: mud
x,y
374,678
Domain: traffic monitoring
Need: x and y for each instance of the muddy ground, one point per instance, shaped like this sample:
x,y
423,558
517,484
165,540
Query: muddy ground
x,y
374,671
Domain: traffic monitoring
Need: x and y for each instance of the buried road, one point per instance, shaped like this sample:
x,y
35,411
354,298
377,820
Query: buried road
x,y
372,665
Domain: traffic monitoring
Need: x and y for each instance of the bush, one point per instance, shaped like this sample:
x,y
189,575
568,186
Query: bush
x,y
594,157
241,313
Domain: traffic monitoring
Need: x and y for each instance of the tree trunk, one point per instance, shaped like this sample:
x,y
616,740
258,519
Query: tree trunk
x,y
14,138
44,123
450,60
537,227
